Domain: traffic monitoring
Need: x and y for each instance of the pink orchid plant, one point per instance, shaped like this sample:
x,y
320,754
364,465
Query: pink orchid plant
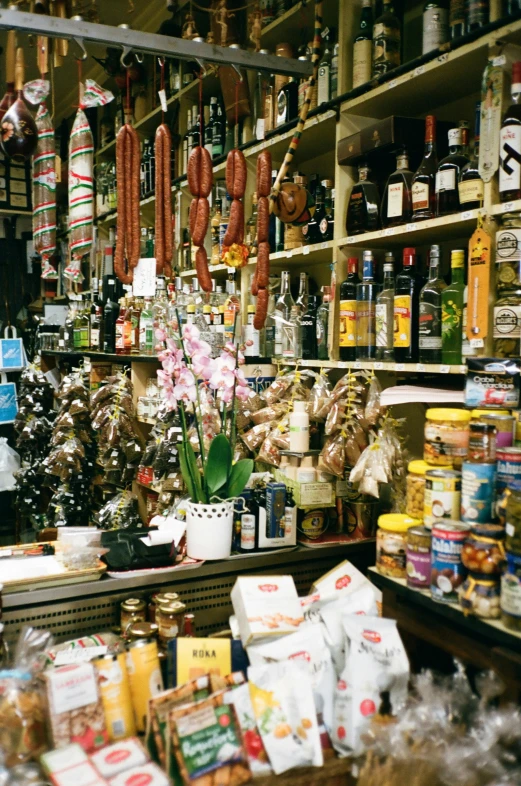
x,y
187,365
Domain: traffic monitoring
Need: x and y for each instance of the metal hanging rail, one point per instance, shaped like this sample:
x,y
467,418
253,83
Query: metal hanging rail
x,y
150,43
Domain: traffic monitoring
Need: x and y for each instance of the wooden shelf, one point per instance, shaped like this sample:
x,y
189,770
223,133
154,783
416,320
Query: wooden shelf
x,y
108,356
376,365
505,207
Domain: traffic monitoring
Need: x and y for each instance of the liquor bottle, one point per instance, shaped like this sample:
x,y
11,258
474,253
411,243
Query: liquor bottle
x,y
334,71
292,335
208,129
251,335
308,323
218,132
452,311
457,18
146,329
85,327
448,174
120,327
477,13
283,307
363,46
510,143
386,40
366,293
96,330
363,206
4,649
326,220
129,327
430,341
287,103
467,350
470,186
324,73
303,293
268,351
311,230
323,324
435,25
66,335
215,222
110,316
77,327
407,290
397,201
251,228
384,313
347,320
423,187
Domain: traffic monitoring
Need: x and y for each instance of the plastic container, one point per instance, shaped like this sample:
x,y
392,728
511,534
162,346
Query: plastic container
x,y
446,437
299,428
416,488
484,550
391,543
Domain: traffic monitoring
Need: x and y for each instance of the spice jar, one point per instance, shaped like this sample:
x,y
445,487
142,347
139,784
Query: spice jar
x,y
513,518
480,596
156,600
170,621
391,543
132,610
507,325
511,593
446,436
484,550
416,488
142,630
508,253
482,443
418,562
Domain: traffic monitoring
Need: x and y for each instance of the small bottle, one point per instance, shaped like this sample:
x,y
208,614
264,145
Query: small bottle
x,y
384,313
323,324
287,103
120,322
363,213
435,26
456,18
251,335
324,73
366,293
470,186
324,224
96,330
448,175
452,311
386,40
146,329
299,428
347,317
423,185
311,230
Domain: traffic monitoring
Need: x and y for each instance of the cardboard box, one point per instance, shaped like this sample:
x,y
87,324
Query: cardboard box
x,y
266,606
149,774
309,495
190,658
119,757
71,765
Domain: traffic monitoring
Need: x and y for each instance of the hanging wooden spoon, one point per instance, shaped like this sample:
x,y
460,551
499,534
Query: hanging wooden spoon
x,y
19,132
10,51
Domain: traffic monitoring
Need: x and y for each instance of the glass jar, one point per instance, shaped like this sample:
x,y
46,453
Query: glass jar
x,y
504,422
484,550
142,630
480,596
482,443
169,618
507,324
511,593
416,488
132,610
446,437
508,253
156,600
513,518
391,544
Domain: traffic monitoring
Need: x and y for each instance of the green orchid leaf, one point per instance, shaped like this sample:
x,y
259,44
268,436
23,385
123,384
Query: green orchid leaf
x,y
189,482
218,464
192,471
239,476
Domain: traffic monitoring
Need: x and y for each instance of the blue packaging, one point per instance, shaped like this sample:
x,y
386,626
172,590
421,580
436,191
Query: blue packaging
x,y
275,509
477,492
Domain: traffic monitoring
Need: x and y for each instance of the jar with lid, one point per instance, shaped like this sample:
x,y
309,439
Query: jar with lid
x,y
142,630
508,253
513,518
482,443
156,600
504,423
169,617
507,324
511,593
484,550
446,436
480,596
415,494
391,543
132,610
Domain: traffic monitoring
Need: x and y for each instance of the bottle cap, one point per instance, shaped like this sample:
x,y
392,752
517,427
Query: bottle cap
x,y
516,73
409,256
389,258
368,256
352,265
299,406
457,258
455,136
326,294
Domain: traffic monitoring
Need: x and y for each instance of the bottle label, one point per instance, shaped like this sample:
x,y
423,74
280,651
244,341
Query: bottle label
x,y
365,323
282,108
347,326
511,593
94,337
120,344
362,55
386,47
430,326
323,84
470,191
508,246
510,158
451,323
395,200
402,320
382,326
420,196
252,341
435,28
445,180
457,12
323,226
247,531
507,322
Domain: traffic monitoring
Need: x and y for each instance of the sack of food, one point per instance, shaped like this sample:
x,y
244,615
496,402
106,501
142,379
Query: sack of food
x,y
255,750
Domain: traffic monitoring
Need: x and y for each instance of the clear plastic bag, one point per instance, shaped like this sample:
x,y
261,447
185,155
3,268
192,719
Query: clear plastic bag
x,y
9,463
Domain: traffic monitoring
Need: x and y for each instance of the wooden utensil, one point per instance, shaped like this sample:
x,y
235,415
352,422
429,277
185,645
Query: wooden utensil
x,y
10,51
19,132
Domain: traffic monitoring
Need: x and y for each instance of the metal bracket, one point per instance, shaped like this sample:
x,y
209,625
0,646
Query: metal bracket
x,y
81,45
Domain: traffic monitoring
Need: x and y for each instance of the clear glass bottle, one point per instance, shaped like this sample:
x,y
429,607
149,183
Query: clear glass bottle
x,y
323,324
452,311
363,46
397,201
366,294
268,350
384,313
347,315
251,228
363,213
435,25
423,187
146,329
448,175
303,293
386,40
510,143
292,336
283,306
430,341
470,186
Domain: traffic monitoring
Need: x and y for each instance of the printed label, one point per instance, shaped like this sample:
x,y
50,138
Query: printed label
x,y
381,325
394,200
418,568
445,180
470,191
347,326
507,322
441,444
402,320
509,158
430,326
435,28
511,587
362,56
442,499
508,245
365,323
477,487
420,196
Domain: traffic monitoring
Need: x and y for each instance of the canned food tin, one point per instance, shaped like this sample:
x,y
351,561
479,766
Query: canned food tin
x,y
145,678
477,492
508,468
132,610
504,428
447,570
418,564
442,495
115,695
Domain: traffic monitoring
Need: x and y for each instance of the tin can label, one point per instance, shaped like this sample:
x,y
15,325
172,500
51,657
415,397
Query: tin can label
x,y
418,568
477,492
511,587
145,678
447,571
442,499
508,245
115,695
508,469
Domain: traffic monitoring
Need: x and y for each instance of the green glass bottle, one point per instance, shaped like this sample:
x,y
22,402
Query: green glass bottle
x,y
452,311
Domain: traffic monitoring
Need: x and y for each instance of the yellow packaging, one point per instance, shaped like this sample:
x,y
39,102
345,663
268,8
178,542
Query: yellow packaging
x,y
115,695
145,677
347,327
402,320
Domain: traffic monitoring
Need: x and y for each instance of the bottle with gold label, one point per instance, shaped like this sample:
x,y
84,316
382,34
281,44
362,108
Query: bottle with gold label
x,y
362,46
347,322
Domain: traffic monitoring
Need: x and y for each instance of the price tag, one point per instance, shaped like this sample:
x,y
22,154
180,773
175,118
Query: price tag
x,y
389,231
400,367
144,284
378,366
500,60
477,343
357,364
420,367
411,227
443,58
162,100
419,70
350,239
445,369
305,250
466,215
393,83
507,206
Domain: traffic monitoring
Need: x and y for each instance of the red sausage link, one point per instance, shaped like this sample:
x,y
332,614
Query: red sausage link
x,y
261,311
264,174
159,227
263,219
206,177
236,174
201,266
194,171
167,198
235,230
135,185
201,222
263,265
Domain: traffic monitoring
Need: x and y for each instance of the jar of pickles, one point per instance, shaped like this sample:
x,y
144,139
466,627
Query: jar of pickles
x,y
507,325
480,596
416,488
446,436
513,517
391,544
484,550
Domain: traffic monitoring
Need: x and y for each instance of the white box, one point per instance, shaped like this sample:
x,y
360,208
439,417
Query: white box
x,y
266,606
70,765
150,774
119,757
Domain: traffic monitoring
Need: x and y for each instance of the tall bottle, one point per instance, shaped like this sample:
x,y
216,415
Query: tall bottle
x,y
327,222
283,306
384,313
477,12
366,292
251,335
218,132
448,174
430,312
363,207
470,186
452,311
386,40
303,293
308,324
407,290
96,329
146,329
397,201
120,327
85,326
311,230
510,143
323,324
435,25
363,46
347,320
456,18
110,315
292,335
423,187
251,227
268,350
324,73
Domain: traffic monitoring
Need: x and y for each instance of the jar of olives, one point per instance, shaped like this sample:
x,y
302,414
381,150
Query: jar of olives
x,y
507,324
480,597
416,488
484,550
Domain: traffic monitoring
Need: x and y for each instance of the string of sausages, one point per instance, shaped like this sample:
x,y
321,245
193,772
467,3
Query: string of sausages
x,y
236,174
200,181
128,238
163,186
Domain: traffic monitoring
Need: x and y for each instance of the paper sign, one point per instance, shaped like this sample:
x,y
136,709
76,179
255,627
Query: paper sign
x,y
144,284
8,403
11,354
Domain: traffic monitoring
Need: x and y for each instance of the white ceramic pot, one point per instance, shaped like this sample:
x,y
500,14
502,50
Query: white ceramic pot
x,y
209,530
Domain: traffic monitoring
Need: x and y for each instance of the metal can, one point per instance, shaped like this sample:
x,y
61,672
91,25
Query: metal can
x,y
418,558
442,495
504,428
115,695
170,621
447,569
517,428
477,492
508,468
145,678
156,600
132,610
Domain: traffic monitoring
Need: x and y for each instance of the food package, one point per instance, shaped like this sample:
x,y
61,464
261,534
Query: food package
x,y
320,398
119,757
255,750
266,606
376,667
149,774
332,458
285,714
71,765
342,580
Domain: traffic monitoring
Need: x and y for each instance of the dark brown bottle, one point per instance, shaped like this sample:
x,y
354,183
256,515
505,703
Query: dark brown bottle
x,y
423,188
448,174
363,206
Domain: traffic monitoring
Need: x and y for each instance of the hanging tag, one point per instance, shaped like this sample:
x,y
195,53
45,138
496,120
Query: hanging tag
x,y
162,100
478,285
493,103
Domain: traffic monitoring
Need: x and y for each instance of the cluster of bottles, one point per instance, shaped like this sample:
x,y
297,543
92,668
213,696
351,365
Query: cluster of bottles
x,y
435,189
210,130
274,9
377,46
406,319
298,329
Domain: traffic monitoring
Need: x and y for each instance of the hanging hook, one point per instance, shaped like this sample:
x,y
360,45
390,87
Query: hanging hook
x,y
79,43
127,50
238,71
